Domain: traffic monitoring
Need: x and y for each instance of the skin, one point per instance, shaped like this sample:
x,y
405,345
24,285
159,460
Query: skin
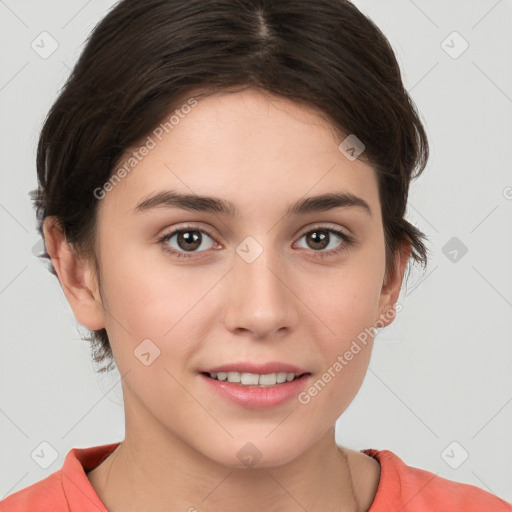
x,y
262,153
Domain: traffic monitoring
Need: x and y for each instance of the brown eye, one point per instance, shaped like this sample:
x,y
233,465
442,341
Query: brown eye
x,y
326,242
187,240
322,238
318,239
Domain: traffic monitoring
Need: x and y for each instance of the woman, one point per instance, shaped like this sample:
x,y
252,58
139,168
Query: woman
x,y
222,191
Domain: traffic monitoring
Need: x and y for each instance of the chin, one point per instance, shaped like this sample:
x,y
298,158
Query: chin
x,y
254,454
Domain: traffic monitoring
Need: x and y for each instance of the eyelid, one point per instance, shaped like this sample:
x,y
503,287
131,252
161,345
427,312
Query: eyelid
x,y
167,235
317,225
326,226
347,239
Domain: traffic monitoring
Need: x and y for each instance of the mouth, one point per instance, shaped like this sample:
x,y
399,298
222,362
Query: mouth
x,y
256,385
255,379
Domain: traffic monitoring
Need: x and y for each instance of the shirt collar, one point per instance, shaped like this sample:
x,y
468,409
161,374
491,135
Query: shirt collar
x,y
79,492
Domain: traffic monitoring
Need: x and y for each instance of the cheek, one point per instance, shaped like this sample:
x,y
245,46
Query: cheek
x,y
148,298
347,304
344,338
347,300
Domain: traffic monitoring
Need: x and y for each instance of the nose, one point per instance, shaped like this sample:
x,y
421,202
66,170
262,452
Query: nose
x,y
260,297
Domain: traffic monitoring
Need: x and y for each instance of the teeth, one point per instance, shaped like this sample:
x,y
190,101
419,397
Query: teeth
x,y
249,379
233,377
253,379
282,377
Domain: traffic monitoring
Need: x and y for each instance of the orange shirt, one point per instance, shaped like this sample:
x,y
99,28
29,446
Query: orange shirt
x,y
401,488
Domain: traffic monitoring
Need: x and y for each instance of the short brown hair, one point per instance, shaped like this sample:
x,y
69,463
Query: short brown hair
x,y
144,57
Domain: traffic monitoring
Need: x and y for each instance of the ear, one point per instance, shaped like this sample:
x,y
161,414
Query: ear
x,y
391,287
76,275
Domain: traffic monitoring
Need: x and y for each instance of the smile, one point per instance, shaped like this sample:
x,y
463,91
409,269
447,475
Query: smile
x,y
254,379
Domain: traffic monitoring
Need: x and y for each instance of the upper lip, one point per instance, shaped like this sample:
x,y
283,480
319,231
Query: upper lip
x,y
260,369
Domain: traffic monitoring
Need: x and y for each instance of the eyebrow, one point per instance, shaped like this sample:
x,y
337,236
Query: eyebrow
x,y
193,202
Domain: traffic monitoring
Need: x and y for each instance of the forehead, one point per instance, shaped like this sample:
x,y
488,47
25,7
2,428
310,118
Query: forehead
x,y
247,146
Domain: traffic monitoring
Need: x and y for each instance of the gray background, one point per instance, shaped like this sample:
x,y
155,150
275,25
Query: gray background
x,y
439,387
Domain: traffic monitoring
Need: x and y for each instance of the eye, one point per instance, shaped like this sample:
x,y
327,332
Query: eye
x,y
321,238
186,240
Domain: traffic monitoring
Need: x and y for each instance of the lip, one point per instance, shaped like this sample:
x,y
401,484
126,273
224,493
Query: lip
x,y
260,369
257,397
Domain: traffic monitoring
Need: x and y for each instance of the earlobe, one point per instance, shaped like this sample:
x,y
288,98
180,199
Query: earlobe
x,y
392,286
76,277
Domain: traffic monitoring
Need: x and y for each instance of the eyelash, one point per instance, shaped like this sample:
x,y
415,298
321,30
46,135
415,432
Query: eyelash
x,y
347,240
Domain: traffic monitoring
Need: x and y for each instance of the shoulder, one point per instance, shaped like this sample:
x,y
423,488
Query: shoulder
x,y
412,489
38,497
64,490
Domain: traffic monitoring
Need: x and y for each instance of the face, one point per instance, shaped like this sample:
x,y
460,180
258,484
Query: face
x,y
186,289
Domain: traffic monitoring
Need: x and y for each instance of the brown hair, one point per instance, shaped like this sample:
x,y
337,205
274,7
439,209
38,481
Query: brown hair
x,y
144,57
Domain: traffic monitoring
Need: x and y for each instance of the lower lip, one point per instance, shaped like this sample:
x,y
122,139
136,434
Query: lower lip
x,y
257,397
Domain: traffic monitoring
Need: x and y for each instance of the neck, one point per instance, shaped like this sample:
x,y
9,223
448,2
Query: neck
x,y
159,471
